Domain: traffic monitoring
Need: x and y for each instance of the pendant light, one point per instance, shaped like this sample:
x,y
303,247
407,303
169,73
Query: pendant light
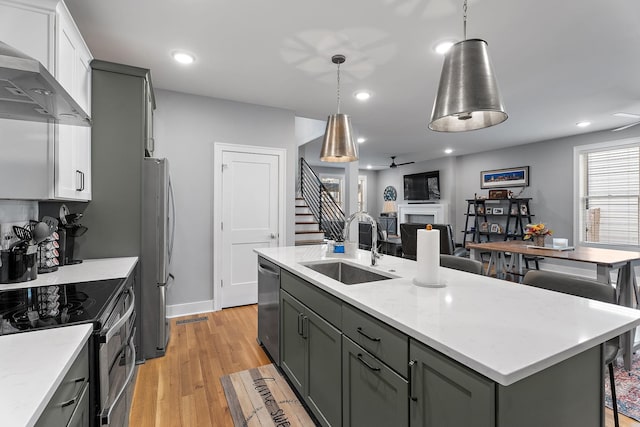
x,y
338,144
468,97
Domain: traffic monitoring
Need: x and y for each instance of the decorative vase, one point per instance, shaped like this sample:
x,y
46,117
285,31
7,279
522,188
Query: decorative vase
x,y
538,240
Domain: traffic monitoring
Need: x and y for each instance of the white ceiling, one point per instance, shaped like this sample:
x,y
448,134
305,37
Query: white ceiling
x,y
557,62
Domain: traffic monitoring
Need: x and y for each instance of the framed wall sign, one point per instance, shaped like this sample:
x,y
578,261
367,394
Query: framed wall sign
x,y
512,177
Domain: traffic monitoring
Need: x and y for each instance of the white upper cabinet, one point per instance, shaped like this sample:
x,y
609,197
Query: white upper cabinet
x,y
42,161
72,171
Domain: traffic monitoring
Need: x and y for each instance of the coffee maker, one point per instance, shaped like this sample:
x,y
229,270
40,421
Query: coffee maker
x,y
69,229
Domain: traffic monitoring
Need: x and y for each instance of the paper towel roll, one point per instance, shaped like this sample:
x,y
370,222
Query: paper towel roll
x,y
428,258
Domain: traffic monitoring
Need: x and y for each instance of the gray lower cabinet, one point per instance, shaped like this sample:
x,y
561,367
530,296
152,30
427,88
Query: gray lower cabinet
x,y
311,356
446,394
373,394
69,405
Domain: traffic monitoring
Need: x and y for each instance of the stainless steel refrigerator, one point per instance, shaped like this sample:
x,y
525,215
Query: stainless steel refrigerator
x,y
158,228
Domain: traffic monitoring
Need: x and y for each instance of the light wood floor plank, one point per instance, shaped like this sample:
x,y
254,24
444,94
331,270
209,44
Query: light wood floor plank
x,y
183,389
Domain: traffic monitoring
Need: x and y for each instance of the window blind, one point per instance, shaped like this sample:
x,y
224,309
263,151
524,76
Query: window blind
x,y
611,199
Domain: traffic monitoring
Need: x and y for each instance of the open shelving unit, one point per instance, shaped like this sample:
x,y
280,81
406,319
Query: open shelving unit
x,y
484,225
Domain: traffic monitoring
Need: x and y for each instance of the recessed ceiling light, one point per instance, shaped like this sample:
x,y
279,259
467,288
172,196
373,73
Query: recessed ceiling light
x,y
369,166
443,47
183,57
448,150
583,124
361,140
362,95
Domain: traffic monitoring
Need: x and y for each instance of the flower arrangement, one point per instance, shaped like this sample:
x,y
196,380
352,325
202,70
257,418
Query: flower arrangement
x,y
536,230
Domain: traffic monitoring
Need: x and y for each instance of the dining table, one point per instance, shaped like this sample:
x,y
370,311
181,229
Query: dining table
x,y
506,257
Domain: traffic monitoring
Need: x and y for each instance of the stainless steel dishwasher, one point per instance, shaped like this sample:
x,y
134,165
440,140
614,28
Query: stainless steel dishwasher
x,y
269,308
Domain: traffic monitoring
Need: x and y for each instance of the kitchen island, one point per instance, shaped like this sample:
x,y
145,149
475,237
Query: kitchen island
x,y
510,348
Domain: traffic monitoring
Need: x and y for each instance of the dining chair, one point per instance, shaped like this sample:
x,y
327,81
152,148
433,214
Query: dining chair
x,y
585,288
460,263
364,235
409,239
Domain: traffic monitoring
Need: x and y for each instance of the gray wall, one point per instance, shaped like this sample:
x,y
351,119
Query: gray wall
x,y
186,127
551,176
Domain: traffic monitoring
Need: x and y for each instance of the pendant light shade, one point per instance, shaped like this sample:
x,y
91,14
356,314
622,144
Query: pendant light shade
x,y
468,97
338,144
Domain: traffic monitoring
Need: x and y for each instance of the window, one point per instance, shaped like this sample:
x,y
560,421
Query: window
x,y
362,193
335,186
609,194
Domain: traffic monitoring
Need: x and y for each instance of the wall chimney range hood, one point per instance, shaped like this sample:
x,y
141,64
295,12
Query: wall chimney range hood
x,y
29,92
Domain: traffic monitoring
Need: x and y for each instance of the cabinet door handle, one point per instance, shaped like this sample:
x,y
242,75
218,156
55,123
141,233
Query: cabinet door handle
x,y
305,327
361,332
299,323
412,367
78,181
81,181
365,363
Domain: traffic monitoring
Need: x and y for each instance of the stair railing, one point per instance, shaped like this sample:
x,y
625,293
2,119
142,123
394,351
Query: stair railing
x,y
322,205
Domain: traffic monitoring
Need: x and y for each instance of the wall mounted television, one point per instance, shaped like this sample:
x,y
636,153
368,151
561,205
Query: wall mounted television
x,y
421,187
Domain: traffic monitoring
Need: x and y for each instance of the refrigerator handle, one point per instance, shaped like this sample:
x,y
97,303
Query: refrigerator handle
x,y
173,219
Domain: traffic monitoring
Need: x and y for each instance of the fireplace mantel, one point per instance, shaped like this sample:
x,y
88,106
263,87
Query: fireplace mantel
x,y
440,212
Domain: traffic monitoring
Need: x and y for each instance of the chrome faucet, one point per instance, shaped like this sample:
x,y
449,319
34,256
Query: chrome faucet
x,y
374,233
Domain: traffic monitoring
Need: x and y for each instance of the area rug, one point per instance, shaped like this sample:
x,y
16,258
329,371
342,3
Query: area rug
x,y
627,389
262,397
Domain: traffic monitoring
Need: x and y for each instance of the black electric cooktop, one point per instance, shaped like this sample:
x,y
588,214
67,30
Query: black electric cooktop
x,y
41,307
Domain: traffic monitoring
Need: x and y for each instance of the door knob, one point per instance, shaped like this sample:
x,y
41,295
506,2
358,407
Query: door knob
x,y
274,235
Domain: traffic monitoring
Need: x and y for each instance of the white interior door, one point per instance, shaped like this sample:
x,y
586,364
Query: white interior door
x,y
250,200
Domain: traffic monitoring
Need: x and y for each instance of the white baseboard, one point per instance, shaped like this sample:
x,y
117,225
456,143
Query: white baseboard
x,y
198,307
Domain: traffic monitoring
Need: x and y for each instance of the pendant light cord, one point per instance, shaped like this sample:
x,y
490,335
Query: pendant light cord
x,y
464,14
338,88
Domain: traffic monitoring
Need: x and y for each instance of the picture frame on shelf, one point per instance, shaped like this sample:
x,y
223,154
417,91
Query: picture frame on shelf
x,y
495,228
484,227
498,194
524,210
509,177
489,210
498,211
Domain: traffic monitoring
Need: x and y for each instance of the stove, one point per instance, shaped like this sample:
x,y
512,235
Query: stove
x,y
33,308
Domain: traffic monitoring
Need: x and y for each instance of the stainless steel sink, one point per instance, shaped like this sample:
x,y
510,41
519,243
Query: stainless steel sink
x,y
347,273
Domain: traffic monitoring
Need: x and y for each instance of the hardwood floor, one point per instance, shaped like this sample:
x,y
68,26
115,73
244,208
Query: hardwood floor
x,y
182,389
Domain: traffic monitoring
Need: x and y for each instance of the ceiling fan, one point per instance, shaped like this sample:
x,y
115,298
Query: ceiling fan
x,y
394,165
628,116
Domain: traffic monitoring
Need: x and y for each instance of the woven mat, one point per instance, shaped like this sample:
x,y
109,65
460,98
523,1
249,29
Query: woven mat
x,y
627,389
262,397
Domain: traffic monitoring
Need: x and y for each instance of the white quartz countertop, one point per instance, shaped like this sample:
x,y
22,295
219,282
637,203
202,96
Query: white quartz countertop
x,y
88,270
32,366
503,330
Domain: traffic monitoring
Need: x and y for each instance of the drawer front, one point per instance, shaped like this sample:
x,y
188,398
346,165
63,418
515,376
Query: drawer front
x,y
373,394
327,306
384,342
64,401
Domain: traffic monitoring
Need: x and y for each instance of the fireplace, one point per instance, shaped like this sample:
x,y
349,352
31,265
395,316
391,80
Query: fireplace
x,y
436,213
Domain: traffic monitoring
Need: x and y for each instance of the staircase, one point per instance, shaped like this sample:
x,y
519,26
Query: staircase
x,y
307,228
